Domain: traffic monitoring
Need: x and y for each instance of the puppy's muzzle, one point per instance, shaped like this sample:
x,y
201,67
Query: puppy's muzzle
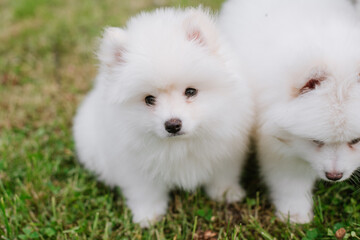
x,y
173,125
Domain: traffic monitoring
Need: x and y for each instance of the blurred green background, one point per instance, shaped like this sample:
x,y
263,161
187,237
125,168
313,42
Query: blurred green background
x,y
47,64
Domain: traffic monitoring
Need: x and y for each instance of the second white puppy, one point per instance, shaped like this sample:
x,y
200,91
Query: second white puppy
x,y
168,110
304,60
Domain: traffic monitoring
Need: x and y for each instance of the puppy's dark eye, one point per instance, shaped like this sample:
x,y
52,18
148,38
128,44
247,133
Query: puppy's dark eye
x,y
354,141
190,92
318,142
150,100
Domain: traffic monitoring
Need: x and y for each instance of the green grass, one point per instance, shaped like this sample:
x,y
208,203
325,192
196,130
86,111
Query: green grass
x,y
47,65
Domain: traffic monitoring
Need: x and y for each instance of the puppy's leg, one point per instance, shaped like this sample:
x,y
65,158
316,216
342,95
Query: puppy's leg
x,y
224,185
147,201
290,182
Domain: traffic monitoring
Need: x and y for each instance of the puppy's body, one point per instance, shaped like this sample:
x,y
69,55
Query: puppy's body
x,y
304,60
121,130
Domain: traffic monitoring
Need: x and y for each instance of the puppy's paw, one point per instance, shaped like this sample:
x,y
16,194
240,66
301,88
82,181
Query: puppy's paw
x,y
146,222
147,215
300,217
230,194
234,194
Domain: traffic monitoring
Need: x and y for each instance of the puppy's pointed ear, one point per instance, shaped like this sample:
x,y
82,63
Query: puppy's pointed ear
x,y
200,28
112,46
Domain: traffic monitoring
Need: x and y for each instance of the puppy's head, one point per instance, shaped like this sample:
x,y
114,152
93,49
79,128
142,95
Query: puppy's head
x,y
320,120
165,72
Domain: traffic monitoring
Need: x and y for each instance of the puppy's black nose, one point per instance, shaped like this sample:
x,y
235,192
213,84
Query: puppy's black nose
x,y
334,176
173,125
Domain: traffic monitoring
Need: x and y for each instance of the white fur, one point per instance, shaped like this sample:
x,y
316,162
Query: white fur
x,y
283,44
124,141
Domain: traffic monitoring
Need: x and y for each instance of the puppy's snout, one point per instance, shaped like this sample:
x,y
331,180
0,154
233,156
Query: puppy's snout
x,y
334,176
173,125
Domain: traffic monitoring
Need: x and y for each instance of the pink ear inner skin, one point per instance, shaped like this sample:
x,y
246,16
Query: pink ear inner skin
x,y
119,55
311,84
195,35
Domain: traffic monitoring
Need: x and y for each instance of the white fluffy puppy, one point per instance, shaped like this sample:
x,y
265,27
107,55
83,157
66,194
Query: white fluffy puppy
x,y
304,60
168,110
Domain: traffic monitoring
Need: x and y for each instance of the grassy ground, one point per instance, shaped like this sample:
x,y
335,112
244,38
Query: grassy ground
x,y
46,67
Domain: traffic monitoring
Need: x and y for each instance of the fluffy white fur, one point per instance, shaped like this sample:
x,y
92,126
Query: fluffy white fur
x,y
124,141
283,45
357,5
